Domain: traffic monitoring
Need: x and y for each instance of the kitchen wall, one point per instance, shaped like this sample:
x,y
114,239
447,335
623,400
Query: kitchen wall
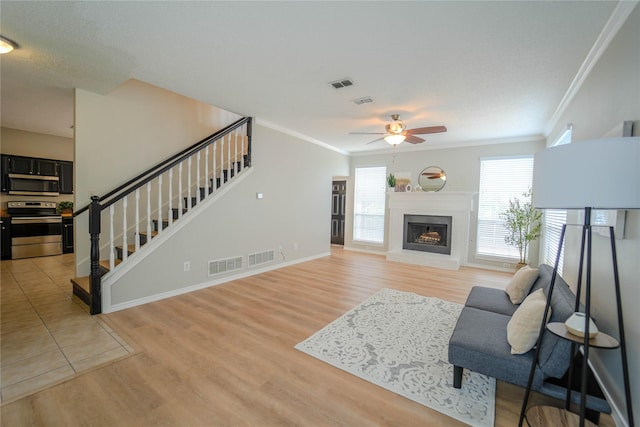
x,y
32,144
609,96
462,166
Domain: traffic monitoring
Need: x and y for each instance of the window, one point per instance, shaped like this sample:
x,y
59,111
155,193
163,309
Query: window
x,y
553,220
501,179
369,204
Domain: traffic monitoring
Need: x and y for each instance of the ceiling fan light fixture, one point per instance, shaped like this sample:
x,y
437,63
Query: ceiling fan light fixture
x,y
7,45
394,139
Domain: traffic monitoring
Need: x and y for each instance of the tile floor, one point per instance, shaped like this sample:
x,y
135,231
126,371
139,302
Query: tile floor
x,y
46,333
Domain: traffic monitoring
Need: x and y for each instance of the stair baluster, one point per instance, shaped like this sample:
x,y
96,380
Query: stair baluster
x,y
136,235
222,167
124,228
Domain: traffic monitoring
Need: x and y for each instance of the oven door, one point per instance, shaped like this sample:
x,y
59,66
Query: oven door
x,y
36,236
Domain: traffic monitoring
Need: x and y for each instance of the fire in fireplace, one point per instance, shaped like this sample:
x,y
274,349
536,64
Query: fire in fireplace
x,y
427,233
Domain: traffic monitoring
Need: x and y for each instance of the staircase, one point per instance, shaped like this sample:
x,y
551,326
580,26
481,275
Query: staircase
x,y
185,180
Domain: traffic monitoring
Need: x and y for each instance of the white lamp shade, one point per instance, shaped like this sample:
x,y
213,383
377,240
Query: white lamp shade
x,y
395,139
601,174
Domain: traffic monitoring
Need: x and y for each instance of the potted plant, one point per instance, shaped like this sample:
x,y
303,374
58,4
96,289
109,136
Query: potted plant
x,y
391,181
65,207
523,224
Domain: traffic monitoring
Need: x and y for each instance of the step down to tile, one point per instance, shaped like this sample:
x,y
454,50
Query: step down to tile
x,y
81,288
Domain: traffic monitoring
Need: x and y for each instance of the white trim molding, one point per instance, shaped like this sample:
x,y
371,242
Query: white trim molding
x,y
611,28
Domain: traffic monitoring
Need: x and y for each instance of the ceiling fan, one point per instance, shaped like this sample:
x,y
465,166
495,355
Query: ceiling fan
x,y
397,132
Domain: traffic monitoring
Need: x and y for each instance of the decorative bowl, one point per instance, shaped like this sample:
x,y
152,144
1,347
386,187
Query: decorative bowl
x,y
576,324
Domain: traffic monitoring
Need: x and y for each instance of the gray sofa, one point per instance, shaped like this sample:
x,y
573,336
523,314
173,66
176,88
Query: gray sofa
x,y
479,341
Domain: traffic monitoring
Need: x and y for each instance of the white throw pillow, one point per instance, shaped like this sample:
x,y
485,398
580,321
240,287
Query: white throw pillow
x,y
524,327
521,284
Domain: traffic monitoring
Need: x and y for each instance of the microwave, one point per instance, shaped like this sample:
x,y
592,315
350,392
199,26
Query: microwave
x,y
33,185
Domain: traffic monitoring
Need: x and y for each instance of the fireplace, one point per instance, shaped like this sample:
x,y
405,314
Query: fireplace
x,y
427,233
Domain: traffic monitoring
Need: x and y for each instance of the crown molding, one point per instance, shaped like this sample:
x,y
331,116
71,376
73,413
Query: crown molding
x,y
298,135
611,28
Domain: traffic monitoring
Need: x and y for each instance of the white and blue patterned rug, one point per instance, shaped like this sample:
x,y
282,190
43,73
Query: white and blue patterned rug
x,y
399,341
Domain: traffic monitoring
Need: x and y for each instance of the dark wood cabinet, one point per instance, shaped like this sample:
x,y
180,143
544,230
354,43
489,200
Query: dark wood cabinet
x,y
66,177
5,236
36,166
4,170
22,165
32,166
67,235
47,167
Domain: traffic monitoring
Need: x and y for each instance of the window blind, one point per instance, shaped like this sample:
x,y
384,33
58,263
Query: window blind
x,y
369,204
501,179
554,219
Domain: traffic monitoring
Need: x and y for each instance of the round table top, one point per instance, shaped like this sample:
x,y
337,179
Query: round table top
x,y
601,340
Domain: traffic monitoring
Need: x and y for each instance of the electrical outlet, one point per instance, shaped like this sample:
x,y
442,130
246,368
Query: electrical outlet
x,y
506,265
187,266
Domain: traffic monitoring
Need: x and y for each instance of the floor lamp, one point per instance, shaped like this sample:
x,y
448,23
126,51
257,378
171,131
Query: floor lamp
x,y
599,174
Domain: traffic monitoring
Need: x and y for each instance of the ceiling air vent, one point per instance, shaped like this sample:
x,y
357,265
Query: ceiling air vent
x,y
364,100
339,84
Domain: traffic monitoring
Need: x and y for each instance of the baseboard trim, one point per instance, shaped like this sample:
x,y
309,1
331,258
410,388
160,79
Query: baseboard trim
x,y
247,273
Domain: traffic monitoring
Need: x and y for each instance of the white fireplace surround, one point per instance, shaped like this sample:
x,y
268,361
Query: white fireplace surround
x,y
456,204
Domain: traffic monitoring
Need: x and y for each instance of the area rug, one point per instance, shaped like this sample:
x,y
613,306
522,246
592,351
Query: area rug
x,y
399,341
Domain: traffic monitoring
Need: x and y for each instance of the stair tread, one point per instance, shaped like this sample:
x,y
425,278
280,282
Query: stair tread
x,y
82,282
131,247
105,263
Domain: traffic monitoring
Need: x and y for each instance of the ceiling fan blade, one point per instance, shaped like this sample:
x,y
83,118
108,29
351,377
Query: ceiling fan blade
x,y
412,139
366,133
425,130
375,140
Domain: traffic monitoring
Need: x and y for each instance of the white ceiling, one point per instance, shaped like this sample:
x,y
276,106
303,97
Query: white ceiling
x,y
486,70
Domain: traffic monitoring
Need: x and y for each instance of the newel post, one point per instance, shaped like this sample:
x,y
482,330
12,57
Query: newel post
x,y
94,277
249,133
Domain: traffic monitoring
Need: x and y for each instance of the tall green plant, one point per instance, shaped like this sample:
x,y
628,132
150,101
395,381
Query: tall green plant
x,y
523,224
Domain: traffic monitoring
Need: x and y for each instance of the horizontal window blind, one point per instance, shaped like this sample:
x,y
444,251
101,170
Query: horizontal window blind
x,y
553,221
501,179
369,204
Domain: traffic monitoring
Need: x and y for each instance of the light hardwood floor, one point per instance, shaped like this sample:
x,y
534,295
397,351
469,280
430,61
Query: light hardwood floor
x,y
225,355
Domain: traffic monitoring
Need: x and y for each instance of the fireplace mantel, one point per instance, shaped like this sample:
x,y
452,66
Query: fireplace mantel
x,y
456,204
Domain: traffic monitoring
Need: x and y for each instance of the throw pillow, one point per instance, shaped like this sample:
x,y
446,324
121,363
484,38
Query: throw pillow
x,y
521,284
524,327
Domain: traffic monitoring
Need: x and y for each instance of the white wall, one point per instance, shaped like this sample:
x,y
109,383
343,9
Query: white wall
x,y
121,134
610,95
462,166
295,179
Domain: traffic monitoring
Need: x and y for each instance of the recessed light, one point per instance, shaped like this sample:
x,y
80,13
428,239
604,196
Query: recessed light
x,y
7,45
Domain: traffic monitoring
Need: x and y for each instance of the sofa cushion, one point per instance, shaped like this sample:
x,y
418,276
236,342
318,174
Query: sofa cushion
x,y
553,359
479,343
523,328
490,299
521,283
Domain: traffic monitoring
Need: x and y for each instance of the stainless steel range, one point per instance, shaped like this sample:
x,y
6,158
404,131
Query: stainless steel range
x,y
36,229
